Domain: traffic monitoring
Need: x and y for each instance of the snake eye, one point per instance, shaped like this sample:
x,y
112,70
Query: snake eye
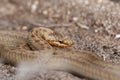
x,y
60,41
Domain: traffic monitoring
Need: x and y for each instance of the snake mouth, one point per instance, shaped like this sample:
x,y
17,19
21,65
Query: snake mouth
x,y
61,43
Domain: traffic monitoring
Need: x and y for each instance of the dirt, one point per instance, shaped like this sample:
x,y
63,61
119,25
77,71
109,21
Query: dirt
x,y
93,25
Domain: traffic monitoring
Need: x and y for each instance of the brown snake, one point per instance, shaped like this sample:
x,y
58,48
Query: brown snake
x,y
15,47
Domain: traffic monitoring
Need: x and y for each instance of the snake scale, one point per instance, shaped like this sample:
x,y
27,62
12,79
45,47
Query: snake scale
x,y
17,47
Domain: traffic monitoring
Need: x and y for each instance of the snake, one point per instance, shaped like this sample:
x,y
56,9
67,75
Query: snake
x,y
19,47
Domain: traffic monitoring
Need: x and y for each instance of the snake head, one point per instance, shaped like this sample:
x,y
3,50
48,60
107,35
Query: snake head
x,y
52,37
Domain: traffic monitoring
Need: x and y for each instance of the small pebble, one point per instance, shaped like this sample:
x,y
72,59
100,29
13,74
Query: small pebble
x,y
82,26
24,28
117,36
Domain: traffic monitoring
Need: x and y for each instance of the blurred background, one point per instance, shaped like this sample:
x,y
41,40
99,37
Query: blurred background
x,y
93,25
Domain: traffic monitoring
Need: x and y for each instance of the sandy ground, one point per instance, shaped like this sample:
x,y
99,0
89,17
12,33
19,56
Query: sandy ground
x,y
93,25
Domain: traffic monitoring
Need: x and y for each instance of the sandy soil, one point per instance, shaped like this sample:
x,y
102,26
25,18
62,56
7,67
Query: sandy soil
x,y
93,25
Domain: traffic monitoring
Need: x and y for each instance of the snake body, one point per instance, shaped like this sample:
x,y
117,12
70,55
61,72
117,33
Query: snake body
x,y
86,64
